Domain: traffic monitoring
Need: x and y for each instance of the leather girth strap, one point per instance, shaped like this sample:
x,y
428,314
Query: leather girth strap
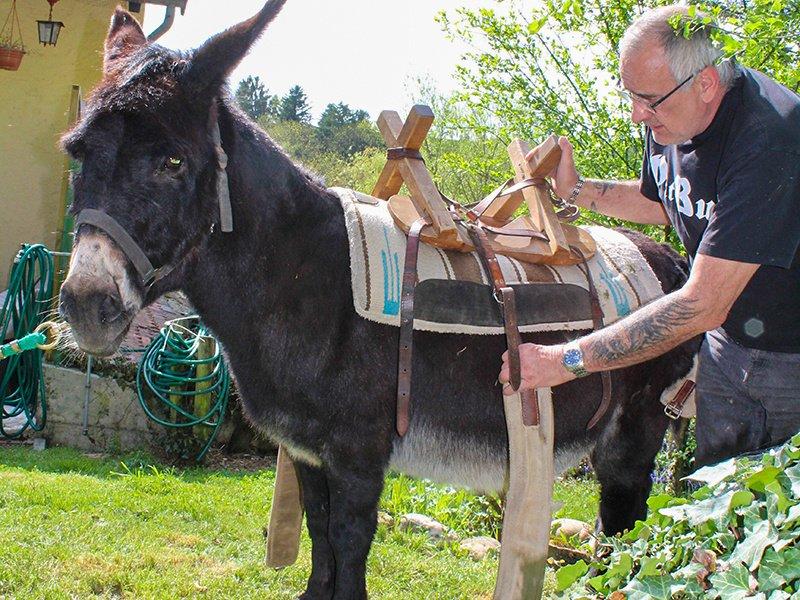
x,y
407,327
504,295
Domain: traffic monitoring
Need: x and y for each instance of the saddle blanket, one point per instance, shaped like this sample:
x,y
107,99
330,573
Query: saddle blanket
x,y
454,293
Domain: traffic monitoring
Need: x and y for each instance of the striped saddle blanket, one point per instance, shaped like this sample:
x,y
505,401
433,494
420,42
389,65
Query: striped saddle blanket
x,y
454,293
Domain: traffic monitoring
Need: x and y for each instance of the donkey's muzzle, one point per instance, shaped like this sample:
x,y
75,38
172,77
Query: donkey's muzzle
x,y
97,318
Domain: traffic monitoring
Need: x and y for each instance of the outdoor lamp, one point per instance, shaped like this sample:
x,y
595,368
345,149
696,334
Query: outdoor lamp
x,y
49,30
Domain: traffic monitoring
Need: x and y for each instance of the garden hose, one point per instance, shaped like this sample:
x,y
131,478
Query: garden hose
x,y
181,371
27,301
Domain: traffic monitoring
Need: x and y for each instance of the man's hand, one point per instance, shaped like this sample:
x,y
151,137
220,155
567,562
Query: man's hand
x,y
565,175
540,366
621,199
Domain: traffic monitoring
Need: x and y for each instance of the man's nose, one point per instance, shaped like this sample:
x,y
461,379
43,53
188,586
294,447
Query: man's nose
x,y
639,113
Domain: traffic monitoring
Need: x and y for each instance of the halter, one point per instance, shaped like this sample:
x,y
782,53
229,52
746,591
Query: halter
x,y
134,252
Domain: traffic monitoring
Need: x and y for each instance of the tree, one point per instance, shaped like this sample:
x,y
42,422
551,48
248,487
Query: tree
x,y
338,115
294,106
346,131
252,96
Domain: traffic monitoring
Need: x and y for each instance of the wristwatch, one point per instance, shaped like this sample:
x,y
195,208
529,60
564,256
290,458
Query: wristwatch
x,y
573,360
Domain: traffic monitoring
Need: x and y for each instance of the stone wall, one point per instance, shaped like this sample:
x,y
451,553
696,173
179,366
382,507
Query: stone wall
x,y
116,422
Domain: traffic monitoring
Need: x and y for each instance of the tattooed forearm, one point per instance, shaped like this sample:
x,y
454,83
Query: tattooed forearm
x,y
647,333
603,186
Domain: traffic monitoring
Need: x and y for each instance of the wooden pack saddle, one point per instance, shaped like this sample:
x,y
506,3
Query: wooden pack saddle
x,y
538,237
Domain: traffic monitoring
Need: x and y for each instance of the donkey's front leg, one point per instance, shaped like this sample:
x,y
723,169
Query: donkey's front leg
x,y
353,519
316,502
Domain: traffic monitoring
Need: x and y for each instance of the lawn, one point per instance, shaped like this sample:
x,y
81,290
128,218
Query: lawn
x,y
73,526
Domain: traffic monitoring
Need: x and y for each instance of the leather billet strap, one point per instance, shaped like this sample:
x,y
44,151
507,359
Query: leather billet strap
x,y
504,295
674,407
223,191
115,231
407,327
597,324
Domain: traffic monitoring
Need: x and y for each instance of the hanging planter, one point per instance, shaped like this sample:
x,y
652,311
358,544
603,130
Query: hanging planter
x,y
12,49
10,58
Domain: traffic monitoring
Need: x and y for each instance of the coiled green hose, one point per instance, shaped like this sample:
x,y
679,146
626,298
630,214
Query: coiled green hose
x,y
27,301
184,365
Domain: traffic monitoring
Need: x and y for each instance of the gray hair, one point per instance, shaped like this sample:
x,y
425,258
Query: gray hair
x,y
685,55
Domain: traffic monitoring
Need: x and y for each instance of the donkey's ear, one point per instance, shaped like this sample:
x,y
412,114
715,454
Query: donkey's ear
x,y
124,37
215,59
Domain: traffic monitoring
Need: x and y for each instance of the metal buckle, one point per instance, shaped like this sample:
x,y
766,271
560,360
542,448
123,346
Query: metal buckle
x,y
673,411
497,297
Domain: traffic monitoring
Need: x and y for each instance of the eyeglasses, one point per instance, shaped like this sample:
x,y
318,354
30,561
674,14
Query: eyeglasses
x,y
651,106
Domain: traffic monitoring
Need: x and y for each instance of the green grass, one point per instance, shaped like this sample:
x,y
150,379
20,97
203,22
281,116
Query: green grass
x,y
78,527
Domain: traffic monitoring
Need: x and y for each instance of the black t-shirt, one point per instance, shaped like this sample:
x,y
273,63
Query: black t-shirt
x,y
733,192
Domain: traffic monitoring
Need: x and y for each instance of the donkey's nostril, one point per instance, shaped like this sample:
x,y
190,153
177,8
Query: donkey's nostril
x,y
110,309
65,306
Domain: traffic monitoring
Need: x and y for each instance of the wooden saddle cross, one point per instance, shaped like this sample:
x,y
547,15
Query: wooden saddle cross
x,y
538,237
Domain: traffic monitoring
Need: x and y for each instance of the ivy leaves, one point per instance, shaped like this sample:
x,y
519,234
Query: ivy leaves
x,y
735,538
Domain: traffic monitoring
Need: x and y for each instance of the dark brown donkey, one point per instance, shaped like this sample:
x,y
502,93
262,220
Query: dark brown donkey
x,y
313,375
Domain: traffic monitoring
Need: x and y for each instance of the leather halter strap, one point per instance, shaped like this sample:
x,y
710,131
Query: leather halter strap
x,y
139,260
223,190
103,221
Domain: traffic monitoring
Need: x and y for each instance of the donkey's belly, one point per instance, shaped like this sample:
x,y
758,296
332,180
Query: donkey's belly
x,y
447,457
481,465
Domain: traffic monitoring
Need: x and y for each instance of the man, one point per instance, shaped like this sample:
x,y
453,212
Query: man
x,y
722,165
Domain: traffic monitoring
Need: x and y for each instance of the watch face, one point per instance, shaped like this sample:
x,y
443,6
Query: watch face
x,y
572,358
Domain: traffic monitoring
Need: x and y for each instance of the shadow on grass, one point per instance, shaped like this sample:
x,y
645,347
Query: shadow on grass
x,y
67,460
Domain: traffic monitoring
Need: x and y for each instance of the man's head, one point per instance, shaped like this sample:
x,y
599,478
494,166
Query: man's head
x,y
674,82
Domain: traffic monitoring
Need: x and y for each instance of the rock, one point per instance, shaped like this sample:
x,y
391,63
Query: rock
x,y
417,522
385,518
479,547
568,528
566,555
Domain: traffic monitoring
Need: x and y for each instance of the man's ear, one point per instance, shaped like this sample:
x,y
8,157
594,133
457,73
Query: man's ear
x,y
709,83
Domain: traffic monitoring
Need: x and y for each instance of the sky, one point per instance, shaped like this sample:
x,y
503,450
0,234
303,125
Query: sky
x,y
365,53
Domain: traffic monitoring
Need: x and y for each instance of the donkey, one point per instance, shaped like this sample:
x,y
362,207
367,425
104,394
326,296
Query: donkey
x,y
313,376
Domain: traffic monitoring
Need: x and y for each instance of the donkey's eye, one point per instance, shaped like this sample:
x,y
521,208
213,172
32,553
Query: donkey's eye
x,y
171,165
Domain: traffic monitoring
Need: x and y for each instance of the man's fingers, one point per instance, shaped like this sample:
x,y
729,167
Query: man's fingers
x,y
503,377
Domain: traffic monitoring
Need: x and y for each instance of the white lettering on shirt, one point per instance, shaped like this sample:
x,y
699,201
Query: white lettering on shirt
x,y
678,191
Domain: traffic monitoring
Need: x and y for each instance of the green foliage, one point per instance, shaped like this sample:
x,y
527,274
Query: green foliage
x,y
763,34
294,106
339,115
735,538
553,69
360,172
465,158
549,72
253,98
348,139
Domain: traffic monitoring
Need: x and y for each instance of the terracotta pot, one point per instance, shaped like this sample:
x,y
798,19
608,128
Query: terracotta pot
x,y
10,58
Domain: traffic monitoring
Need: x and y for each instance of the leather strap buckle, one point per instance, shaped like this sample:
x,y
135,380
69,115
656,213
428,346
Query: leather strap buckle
x,y
674,407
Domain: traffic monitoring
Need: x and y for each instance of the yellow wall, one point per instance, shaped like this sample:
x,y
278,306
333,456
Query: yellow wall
x,y
34,112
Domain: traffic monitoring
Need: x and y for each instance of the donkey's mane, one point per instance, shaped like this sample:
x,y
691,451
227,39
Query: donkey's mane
x,y
143,80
